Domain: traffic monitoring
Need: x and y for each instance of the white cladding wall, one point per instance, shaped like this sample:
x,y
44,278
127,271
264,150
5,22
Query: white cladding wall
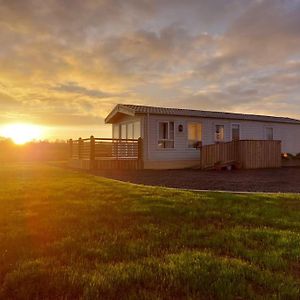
x,y
181,150
289,134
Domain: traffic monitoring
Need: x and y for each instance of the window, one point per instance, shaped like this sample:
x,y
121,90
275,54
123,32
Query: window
x,y
269,134
123,131
166,135
136,130
116,131
127,130
130,130
235,132
194,135
219,134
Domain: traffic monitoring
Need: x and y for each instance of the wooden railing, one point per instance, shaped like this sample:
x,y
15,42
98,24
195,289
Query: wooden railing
x,y
99,150
250,154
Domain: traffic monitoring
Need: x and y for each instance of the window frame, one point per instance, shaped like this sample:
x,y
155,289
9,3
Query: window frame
x,y
187,136
165,140
215,133
231,127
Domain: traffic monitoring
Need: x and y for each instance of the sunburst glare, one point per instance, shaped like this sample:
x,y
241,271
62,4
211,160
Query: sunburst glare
x,y
22,133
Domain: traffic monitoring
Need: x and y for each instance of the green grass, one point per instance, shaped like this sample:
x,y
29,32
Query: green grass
x,y
69,235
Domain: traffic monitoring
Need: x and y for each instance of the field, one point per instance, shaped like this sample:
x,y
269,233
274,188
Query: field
x,y
69,235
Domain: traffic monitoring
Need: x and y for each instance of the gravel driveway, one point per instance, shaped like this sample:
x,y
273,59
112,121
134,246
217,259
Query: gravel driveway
x,y
266,180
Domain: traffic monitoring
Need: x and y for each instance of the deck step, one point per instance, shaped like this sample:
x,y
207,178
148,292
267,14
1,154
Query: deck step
x,y
221,165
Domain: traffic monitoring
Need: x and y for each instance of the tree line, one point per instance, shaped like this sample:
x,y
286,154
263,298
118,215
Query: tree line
x,y
33,151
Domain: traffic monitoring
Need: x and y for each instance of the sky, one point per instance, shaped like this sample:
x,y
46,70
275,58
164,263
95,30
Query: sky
x,y
66,63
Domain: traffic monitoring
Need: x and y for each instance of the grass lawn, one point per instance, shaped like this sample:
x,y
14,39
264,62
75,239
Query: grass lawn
x,y
69,235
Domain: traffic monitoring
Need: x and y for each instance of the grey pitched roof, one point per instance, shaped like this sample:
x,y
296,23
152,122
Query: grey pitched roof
x,y
141,109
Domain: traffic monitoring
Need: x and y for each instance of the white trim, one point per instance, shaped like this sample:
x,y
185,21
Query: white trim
x,y
119,108
240,134
167,140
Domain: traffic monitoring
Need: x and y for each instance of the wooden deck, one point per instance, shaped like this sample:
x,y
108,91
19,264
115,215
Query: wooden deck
x,y
104,153
249,154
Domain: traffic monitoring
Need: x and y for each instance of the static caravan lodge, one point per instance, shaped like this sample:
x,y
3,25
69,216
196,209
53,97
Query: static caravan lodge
x,y
172,136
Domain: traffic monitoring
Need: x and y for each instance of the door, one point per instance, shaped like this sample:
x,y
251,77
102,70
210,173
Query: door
x,y
235,132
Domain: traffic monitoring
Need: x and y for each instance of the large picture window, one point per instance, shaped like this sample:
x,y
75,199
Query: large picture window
x,y
194,135
166,135
131,130
219,133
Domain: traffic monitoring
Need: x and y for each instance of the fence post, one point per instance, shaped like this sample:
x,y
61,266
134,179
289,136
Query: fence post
x,y
92,152
200,156
80,143
140,153
71,148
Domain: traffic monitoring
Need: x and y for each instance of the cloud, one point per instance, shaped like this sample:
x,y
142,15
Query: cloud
x,y
269,31
6,102
265,35
69,62
74,88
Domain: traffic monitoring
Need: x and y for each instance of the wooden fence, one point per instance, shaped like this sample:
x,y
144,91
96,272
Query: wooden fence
x,y
105,153
250,154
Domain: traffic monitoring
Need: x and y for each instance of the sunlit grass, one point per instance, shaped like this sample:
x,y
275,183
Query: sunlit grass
x,y
69,235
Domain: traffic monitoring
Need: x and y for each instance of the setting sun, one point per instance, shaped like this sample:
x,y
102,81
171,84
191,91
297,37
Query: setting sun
x,y
21,133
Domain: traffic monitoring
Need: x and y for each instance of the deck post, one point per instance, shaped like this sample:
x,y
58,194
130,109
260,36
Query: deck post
x,y
92,152
117,148
140,153
71,148
80,143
